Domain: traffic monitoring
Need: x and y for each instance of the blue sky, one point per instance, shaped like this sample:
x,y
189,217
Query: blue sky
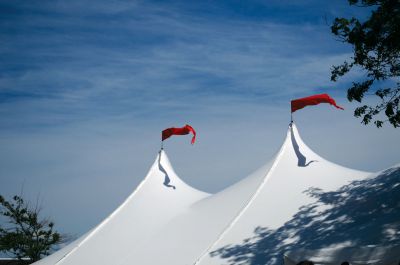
x,y
87,86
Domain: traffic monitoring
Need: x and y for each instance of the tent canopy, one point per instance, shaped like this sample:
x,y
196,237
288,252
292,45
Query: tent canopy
x,y
296,200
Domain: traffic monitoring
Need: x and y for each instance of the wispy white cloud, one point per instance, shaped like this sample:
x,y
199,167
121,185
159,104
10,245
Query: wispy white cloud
x,y
85,90
195,57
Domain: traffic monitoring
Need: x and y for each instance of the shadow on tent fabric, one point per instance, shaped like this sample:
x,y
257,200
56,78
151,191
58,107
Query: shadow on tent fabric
x,y
361,213
167,180
301,159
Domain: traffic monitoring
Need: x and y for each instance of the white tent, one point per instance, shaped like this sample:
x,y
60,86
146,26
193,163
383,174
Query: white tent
x,y
297,200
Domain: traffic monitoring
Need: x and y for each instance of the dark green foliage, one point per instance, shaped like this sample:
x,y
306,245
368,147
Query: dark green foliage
x,y
25,236
376,45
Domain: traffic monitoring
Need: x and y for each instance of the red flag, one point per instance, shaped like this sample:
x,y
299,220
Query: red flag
x,y
313,100
179,131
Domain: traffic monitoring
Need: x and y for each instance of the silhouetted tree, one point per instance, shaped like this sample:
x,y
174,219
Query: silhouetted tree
x,y
25,235
376,45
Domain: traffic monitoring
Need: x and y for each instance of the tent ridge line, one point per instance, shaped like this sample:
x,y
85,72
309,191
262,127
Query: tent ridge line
x,y
108,218
247,204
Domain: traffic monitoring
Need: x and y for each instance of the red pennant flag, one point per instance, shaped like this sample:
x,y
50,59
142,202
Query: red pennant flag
x,y
179,131
313,100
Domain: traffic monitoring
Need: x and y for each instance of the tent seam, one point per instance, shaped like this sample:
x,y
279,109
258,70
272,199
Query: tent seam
x,y
245,207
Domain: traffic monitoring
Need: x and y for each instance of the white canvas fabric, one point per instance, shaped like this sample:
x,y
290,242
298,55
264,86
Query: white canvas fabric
x,y
186,236
306,201
295,170
157,199
297,200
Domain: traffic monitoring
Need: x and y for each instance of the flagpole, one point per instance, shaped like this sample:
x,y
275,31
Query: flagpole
x,y
291,114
